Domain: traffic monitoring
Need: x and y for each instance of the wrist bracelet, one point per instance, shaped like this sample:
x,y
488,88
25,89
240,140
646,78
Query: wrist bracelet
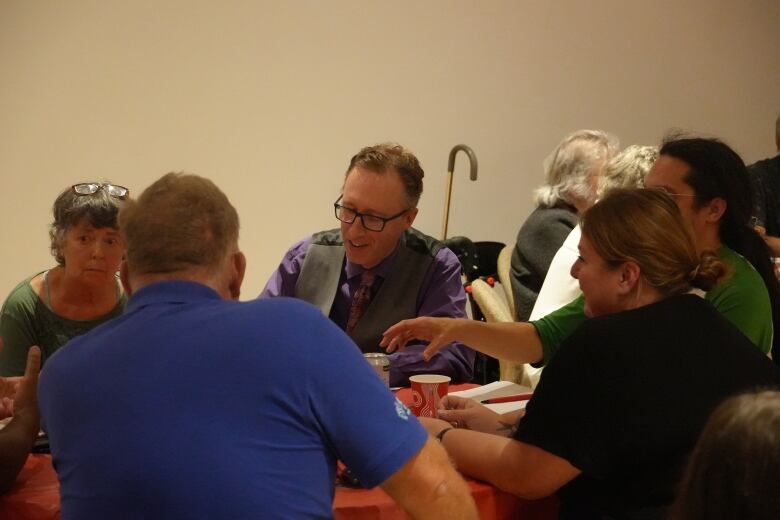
x,y
440,435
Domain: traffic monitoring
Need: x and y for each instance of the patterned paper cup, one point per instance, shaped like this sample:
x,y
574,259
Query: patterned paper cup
x,y
427,391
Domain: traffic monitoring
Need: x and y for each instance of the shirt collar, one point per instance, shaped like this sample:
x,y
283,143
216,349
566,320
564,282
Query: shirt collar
x,y
381,270
171,291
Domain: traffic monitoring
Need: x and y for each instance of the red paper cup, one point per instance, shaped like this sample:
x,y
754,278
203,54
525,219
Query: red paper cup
x,y
427,391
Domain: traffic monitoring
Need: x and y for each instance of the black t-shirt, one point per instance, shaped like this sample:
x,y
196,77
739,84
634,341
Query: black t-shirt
x,y
626,397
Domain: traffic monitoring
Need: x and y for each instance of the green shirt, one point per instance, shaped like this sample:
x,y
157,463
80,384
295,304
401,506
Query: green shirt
x,y
25,320
742,298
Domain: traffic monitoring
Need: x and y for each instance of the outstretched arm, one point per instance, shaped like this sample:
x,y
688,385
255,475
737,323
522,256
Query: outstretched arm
x,y
515,342
441,295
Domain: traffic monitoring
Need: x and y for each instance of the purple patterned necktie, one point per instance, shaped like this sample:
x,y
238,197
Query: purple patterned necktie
x,y
360,300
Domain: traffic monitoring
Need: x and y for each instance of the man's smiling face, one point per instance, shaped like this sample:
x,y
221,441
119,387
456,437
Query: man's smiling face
x,y
381,195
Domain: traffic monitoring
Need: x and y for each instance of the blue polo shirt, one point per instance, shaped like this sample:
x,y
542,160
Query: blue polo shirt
x,y
190,406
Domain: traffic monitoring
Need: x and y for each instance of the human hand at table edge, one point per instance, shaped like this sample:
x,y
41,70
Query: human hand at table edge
x,y
466,413
439,332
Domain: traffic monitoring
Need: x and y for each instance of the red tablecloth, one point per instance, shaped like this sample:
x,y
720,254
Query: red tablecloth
x,y
36,496
375,504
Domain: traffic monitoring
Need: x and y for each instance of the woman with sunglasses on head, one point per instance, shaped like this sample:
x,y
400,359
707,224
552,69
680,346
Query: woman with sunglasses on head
x,y
81,291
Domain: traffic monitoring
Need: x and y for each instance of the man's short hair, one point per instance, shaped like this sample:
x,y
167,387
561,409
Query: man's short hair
x,y
391,156
180,221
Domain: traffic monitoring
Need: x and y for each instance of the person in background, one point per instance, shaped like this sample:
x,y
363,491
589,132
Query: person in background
x,y
192,404
571,176
735,468
81,291
627,169
376,269
18,436
765,176
620,406
710,185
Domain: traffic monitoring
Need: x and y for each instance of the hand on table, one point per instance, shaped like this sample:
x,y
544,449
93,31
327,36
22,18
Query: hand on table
x,y
437,331
466,413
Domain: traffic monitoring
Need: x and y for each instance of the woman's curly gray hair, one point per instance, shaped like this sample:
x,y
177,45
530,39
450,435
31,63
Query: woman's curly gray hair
x,y
571,165
627,169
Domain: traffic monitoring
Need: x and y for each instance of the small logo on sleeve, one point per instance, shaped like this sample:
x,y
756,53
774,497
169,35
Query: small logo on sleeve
x,y
401,409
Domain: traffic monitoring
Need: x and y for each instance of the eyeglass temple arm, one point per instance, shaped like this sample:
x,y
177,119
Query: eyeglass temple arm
x,y
450,169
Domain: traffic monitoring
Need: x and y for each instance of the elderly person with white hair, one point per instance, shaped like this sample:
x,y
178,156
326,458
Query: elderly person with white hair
x,y
571,176
625,170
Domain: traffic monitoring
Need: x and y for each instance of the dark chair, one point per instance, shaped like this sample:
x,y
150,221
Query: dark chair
x,y
478,260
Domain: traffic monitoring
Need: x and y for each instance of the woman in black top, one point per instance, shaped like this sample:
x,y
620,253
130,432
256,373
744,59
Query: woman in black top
x,y
619,408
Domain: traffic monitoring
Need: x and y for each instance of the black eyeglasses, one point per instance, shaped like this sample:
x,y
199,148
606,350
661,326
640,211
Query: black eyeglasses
x,y
370,222
90,188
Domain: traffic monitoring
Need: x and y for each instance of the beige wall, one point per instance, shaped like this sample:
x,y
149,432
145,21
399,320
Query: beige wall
x,y
271,98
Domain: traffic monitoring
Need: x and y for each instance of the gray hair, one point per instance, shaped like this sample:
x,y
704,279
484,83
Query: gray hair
x,y
571,165
99,209
627,169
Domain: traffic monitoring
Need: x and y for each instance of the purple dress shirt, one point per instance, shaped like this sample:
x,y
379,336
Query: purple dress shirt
x,y
441,295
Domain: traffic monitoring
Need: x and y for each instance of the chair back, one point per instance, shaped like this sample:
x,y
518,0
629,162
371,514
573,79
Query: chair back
x,y
495,309
478,259
504,264
487,258
466,252
492,307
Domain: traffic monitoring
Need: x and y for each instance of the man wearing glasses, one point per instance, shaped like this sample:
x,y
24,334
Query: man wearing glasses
x,y
376,269
183,407
710,184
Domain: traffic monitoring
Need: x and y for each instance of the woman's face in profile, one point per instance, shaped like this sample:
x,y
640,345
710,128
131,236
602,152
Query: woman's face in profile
x,y
598,280
92,254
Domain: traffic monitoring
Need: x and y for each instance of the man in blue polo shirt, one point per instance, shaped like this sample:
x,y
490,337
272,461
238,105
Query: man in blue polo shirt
x,y
194,405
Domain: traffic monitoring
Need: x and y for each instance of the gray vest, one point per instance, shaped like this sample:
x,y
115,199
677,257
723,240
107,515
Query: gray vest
x,y
397,297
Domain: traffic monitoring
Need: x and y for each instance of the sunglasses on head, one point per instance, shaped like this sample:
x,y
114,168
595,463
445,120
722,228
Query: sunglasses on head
x,y
90,188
